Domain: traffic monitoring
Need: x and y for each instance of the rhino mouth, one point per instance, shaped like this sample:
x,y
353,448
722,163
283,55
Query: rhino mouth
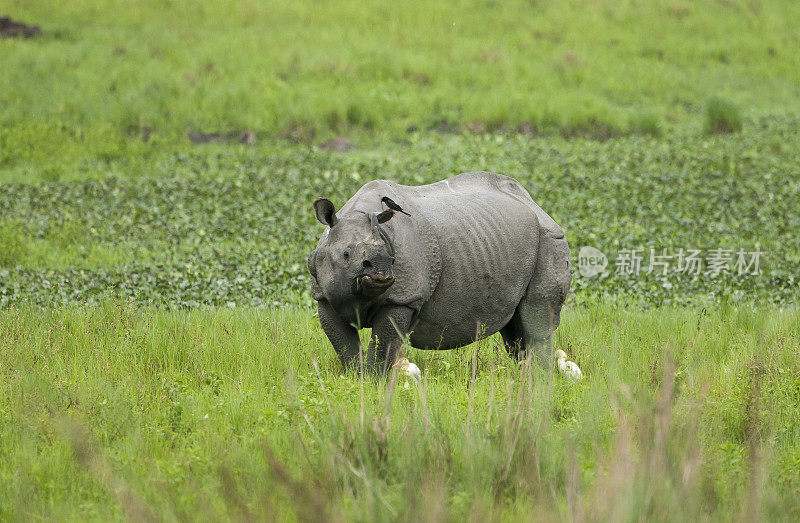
x,y
374,285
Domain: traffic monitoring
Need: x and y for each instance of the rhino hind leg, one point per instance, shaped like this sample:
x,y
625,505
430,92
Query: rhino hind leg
x,y
538,319
539,312
531,328
512,338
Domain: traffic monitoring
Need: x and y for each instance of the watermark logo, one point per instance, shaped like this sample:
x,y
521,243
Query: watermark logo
x,y
591,262
711,263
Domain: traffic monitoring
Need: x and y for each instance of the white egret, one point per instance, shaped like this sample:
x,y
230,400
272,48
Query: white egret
x,y
409,369
568,368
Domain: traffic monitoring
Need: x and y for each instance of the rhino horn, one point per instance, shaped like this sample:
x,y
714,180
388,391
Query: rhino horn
x,y
373,218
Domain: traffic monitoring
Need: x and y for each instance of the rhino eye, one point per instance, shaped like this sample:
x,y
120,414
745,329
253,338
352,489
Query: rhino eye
x,y
346,255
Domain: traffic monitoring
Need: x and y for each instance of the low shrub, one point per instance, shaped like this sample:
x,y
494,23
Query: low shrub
x,y
722,116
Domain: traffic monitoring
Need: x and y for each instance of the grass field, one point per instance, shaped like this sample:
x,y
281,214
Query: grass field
x,y
159,357
119,410
107,74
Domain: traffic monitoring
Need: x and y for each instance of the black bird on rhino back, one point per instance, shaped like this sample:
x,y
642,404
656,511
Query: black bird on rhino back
x,y
470,250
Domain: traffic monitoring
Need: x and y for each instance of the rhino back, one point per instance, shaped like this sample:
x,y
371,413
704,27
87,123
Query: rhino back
x,y
488,234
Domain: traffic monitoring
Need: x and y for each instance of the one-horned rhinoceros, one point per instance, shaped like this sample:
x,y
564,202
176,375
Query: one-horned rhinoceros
x,y
470,251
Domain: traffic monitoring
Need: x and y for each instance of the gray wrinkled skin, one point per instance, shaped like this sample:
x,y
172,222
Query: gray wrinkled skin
x,y
476,252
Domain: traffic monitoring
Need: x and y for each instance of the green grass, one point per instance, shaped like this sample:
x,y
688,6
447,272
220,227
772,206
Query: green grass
x,y
114,411
157,349
104,71
722,116
607,112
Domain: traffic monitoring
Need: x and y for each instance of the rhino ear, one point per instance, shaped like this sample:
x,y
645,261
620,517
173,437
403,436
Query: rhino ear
x,y
385,216
325,211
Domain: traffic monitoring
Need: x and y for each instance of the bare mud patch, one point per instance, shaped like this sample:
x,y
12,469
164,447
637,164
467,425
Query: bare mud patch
x,y
11,29
339,144
230,137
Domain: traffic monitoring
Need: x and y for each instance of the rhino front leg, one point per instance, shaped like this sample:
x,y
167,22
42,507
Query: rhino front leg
x,y
389,327
342,336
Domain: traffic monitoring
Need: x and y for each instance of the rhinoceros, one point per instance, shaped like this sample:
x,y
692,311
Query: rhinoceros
x,y
469,254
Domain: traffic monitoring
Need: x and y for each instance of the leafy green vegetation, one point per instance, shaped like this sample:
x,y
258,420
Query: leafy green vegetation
x,y
13,245
115,410
233,224
158,356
